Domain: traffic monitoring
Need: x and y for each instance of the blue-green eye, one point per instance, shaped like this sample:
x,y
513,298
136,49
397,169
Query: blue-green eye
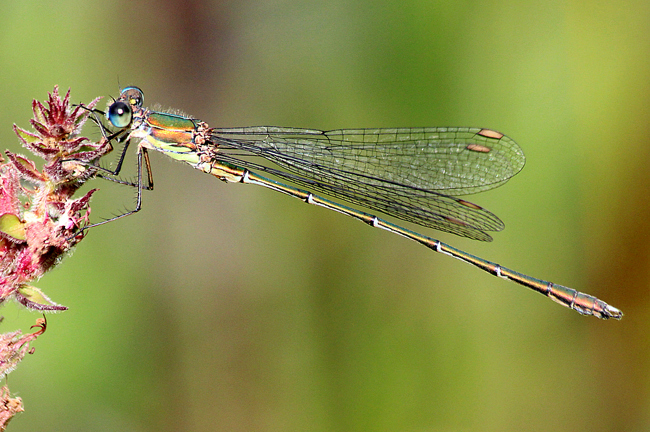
x,y
132,95
120,114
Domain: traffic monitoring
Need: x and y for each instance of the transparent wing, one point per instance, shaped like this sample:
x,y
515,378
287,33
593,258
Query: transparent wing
x,y
408,173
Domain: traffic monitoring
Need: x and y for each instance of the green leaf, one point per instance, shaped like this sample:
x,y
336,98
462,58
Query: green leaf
x,y
12,226
34,298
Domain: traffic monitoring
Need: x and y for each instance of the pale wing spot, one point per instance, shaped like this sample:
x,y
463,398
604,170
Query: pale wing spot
x,y
469,204
456,221
489,133
479,148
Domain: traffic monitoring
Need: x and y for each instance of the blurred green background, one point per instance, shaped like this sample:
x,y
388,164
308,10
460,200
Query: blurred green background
x,y
230,307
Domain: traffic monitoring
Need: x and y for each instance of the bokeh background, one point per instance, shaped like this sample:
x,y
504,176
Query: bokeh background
x,y
230,307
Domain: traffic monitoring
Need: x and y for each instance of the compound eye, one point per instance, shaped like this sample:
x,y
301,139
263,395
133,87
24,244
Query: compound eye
x,y
132,95
120,114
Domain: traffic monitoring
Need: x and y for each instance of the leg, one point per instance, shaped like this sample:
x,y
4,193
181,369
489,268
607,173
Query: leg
x,y
148,186
142,154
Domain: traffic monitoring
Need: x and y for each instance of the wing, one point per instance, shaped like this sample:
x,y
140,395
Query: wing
x,y
408,173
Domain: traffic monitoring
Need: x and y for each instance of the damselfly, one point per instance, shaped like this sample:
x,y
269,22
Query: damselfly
x,y
408,173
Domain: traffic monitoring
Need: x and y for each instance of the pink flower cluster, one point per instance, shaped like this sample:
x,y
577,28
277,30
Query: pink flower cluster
x,y
39,218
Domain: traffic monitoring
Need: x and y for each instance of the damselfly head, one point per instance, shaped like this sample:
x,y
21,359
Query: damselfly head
x,y
120,112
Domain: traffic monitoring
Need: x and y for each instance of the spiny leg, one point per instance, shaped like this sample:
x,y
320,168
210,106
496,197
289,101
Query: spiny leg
x,y
142,154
